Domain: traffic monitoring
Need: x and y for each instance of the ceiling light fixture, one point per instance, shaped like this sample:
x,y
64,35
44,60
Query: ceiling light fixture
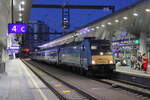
x,y
102,25
116,20
22,3
22,9
109,23
92,29
125,18
97,27
147,10
135,14
20,19
20,14
88,30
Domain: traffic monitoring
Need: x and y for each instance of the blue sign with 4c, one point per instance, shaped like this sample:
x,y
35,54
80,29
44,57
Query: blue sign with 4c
x,y
17,28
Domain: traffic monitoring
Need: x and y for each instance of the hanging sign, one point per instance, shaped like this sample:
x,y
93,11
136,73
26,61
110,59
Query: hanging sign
x,y
17,28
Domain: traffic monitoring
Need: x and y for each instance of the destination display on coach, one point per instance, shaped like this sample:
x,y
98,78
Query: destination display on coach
x,y
17,28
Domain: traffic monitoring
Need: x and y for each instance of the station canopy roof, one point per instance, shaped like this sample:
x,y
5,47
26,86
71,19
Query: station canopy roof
x,y
133,20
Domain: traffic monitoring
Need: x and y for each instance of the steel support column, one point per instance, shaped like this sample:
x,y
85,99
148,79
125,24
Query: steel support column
x,y
142,42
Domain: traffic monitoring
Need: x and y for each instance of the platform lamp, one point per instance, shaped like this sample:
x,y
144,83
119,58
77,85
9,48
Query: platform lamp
x,y
21,9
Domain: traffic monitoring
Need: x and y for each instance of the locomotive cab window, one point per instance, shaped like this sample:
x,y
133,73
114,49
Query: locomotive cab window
x,y
93,47
100,47
105,48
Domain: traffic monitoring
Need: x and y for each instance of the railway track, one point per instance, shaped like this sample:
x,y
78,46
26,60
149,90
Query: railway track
x,y
116,85
62,89
136,89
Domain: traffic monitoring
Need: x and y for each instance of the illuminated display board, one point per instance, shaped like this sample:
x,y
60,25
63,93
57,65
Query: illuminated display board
x,y
17,28
136,42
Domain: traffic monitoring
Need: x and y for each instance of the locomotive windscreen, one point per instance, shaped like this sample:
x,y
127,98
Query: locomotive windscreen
x,y
99,47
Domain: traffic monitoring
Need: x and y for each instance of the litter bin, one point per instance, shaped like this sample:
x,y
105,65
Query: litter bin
x,y
2,67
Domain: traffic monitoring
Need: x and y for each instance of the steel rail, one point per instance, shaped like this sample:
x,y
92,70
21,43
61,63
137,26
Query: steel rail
x,y
48,85
116,85
88,96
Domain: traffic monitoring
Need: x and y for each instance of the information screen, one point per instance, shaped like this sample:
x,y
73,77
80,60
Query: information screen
x,y
17,28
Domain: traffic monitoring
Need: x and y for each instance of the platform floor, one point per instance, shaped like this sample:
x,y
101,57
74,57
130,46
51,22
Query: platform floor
x,y
19,83
129,70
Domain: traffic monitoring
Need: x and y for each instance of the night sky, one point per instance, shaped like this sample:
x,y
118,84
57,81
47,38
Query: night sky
x,y
78,17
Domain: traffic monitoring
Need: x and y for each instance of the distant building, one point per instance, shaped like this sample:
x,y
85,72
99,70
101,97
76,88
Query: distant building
x,y
38,27
38,33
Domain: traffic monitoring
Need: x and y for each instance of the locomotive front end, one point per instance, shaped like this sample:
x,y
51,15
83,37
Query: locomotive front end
x,y
101,56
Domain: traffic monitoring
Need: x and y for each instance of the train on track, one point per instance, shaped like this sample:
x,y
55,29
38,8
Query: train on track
x,y
89,56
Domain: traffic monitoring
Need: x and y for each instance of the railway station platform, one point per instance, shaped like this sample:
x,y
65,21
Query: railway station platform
x,y
20,83
129,70
133,76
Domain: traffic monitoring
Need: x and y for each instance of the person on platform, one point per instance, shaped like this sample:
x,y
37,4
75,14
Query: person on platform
x,y
133,61
139,61
145,62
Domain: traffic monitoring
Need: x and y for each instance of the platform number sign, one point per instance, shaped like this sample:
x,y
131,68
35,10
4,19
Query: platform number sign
x,y
17,28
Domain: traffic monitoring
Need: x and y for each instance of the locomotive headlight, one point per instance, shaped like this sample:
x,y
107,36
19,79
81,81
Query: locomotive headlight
x,y
101,53
93,62
111,62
